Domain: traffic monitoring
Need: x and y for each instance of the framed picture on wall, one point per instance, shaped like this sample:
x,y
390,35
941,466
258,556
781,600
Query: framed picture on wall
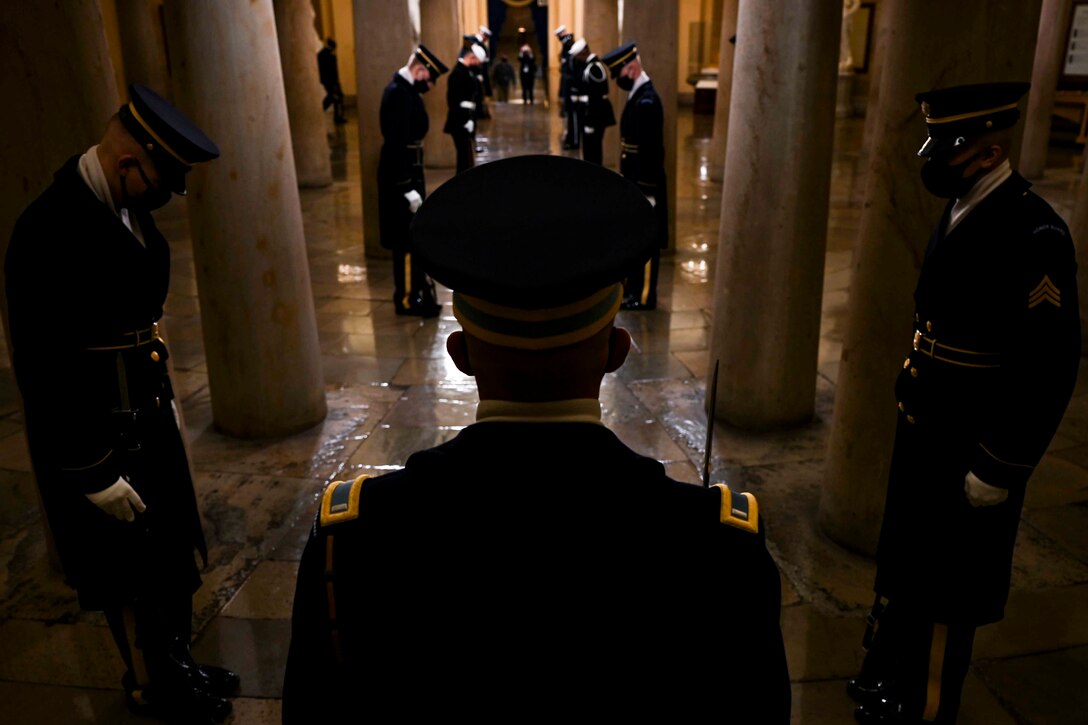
x,y
1074,75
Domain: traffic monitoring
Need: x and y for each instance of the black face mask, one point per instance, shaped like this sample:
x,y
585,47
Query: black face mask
x,y
422,86
947,181
153,198
625,83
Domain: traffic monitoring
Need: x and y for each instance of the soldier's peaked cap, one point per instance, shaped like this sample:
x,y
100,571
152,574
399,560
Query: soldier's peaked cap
x,y
489,235
171,139
957,114
616,59
429,59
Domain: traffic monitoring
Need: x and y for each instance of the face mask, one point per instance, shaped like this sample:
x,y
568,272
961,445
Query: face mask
x,y
422,86
153,198
945,181
625,83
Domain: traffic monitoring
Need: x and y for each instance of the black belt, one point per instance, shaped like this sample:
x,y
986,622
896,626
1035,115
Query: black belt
x,y
955,355
125,340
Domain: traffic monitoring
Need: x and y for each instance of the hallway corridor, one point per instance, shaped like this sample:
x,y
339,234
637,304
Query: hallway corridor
x,y
391,389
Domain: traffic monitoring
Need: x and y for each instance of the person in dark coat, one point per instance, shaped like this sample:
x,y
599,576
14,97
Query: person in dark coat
x,y
401,186
571,130
504,77
100,413
597,113
526,72
534,563
642,160
328,72
463,97
985,383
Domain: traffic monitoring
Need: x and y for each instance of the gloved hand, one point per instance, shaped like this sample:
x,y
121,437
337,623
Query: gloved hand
x,y
652,200
414,200
589,129
118,500
469,125
980,493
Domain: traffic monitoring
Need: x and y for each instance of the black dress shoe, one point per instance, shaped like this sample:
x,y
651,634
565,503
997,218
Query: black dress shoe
x,y
863,691
217,680
185,705
880,711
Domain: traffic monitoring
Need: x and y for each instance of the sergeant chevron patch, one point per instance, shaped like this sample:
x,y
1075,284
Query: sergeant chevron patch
x,y
1045,291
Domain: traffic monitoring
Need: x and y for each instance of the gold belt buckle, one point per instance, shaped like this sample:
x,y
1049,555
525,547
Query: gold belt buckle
x,y
917,338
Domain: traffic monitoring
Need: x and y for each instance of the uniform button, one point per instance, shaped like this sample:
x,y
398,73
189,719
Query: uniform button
x,y
914,372
906,363
155,355
902,407
157,401
929,326
910,419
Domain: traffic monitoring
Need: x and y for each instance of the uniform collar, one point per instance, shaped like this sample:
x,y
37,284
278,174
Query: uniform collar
x,y
579,410
642,80
982,188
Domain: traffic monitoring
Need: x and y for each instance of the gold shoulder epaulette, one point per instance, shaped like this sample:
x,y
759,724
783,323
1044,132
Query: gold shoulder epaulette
x,y
340,501
739,509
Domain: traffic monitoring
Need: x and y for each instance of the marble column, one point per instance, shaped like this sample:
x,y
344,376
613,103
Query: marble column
x,y
143,50
974,42
253,277
655,27
727,51
1049,54
63,85
769,279
299,44
602,32
378,58
439,30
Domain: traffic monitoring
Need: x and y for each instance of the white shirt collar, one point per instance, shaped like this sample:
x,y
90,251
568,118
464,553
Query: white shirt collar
x,y
92,173
642,79
406,75
982,188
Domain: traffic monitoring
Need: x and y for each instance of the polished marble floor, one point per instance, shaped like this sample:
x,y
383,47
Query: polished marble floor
x,y
391,390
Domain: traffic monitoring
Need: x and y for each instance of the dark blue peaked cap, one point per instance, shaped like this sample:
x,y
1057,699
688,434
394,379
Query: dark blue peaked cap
x,y
617,58
957,114
489,234
172,140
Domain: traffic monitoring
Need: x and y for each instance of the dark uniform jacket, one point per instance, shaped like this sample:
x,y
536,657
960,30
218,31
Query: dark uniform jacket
x,y
404,123
83,298
328,72
530,568
986,382
642,151
463,95
598,108
526,65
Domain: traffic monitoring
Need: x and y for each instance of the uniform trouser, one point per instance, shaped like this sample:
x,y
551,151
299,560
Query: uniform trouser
x,y
641,283
526,90
592,145
574,127
411,286
465,145
152,635
922,663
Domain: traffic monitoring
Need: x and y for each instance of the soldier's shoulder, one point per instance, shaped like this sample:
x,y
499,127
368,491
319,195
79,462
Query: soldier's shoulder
x,y
738,509
345,501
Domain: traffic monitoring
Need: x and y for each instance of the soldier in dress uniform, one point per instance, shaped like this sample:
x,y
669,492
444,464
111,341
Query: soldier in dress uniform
x,y
983,388
597,113
534,563
483,39
570,134
401,187
577,97
642,160
463,98
87,274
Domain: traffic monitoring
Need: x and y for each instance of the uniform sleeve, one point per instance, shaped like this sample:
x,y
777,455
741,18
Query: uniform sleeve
x,y
394,117
309,680
1039,362
460,100
651,134
66,394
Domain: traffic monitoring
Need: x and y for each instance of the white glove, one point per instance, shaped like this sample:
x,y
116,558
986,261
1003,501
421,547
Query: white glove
x,y
469,125
652,200
589,129
982,494
118,500
414,200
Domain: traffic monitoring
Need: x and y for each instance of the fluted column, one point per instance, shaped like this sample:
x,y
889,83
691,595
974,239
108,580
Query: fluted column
x,y
1049,53
378,57
256,304
439,30
725,87
143,50
974,42
655,26
769,280
299,44
602,23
